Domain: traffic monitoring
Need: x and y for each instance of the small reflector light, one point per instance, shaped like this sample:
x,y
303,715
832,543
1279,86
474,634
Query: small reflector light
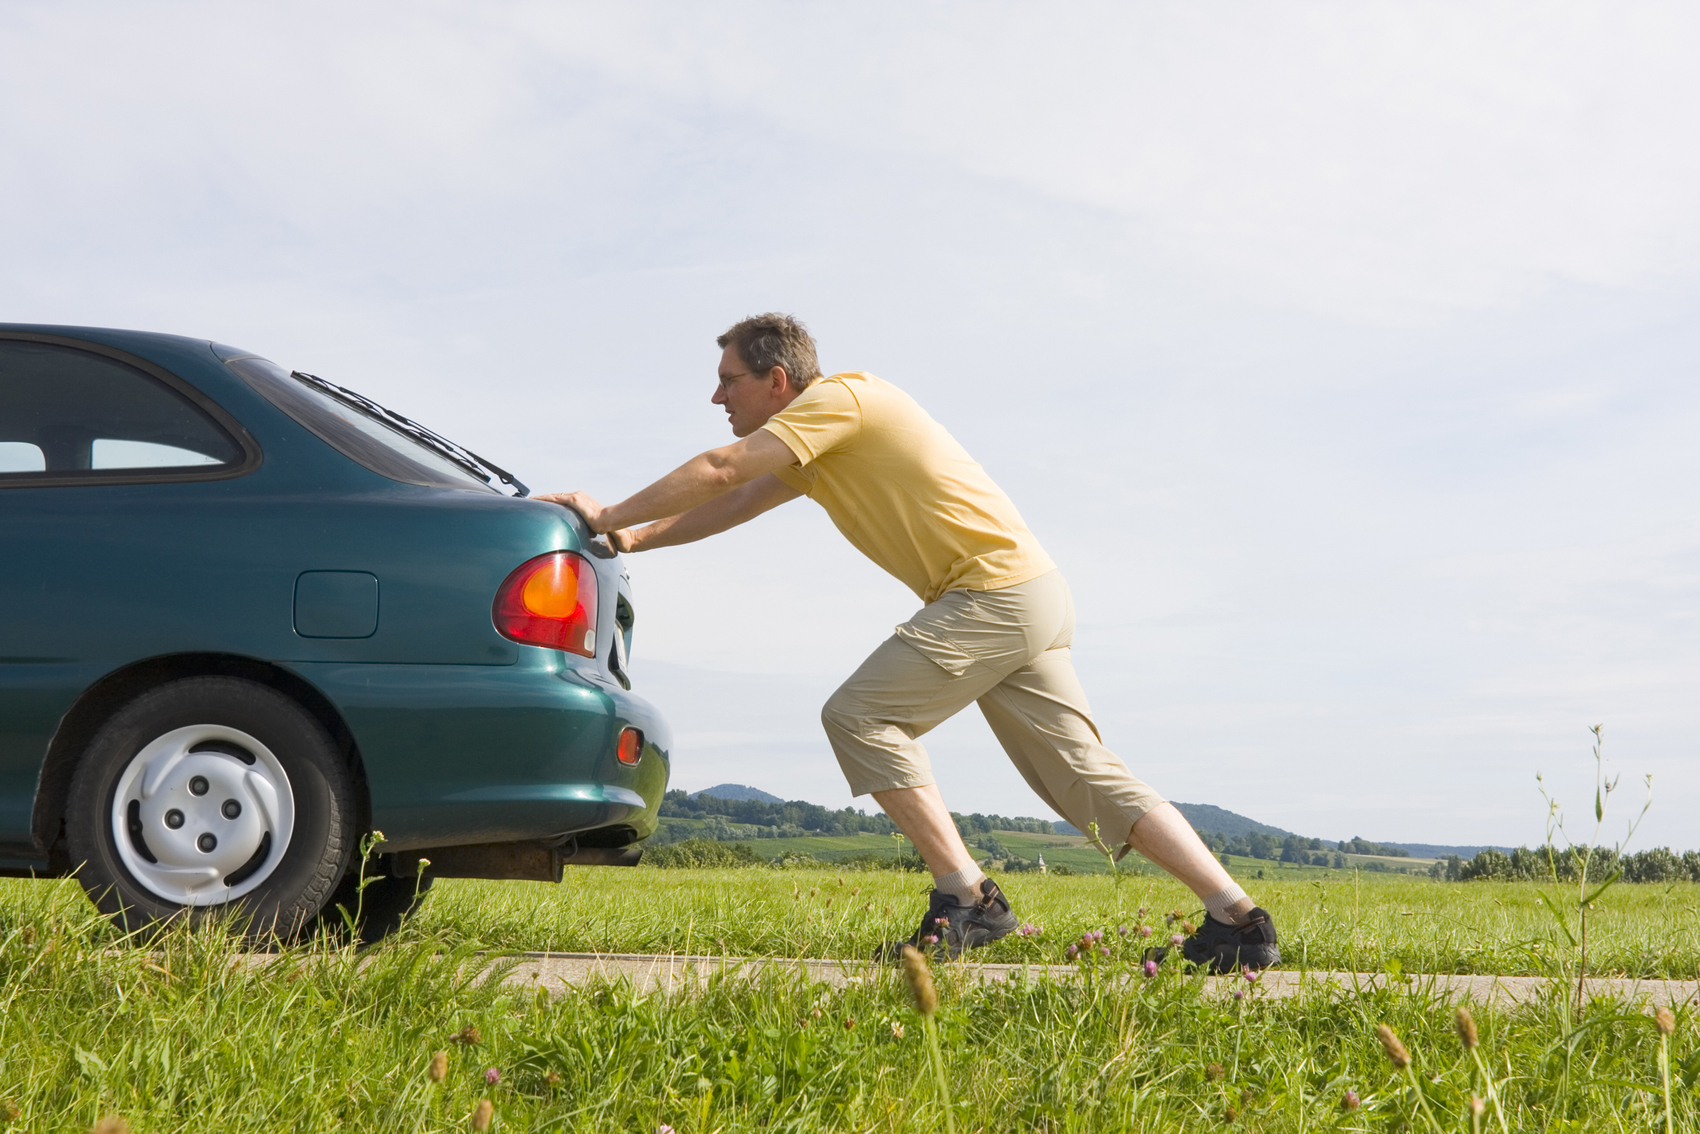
x,y
550,601
631,745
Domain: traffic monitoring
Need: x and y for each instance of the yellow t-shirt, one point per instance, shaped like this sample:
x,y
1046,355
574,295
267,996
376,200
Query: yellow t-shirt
x,y
903,490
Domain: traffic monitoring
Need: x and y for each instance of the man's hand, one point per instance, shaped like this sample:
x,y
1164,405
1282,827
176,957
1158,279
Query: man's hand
x,y
585,505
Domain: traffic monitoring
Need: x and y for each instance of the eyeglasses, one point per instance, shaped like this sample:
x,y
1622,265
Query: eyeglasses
x,y
726,379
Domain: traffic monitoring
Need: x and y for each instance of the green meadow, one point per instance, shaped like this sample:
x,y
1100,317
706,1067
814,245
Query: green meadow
x,y
190,1034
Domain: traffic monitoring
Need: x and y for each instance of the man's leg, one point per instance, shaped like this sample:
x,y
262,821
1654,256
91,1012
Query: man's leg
x,y
874,722
920,813
1165,837
1040,716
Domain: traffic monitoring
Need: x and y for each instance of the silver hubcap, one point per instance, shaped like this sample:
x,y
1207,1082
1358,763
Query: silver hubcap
x,y
202,815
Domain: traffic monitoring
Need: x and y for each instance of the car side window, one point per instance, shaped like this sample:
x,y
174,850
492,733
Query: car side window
x,y
68,415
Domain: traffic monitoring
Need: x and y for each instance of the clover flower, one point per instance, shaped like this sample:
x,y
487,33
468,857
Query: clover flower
x,y
1145,931
1029,930
439,1068
1150,967
1251,975
483,1114
492,1076
1071,952
1121,931
1665,1021
1177,940
1349,1100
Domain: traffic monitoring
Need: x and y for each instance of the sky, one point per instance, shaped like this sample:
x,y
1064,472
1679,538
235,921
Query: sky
x,y
1344,357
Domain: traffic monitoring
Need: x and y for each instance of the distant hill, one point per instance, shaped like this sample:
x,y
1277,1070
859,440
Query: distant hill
x,y
1439,850
738,791
1205,817
1202,816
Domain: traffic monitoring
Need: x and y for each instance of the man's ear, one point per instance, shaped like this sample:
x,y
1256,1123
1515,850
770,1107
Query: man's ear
x,y
781,379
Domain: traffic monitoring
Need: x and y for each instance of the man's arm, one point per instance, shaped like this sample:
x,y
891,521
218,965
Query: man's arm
x,y
692,484
726,511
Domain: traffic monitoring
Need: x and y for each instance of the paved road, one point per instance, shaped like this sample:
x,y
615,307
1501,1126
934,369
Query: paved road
x,y
560,972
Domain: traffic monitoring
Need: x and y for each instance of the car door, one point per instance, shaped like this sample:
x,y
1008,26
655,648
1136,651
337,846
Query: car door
x,y
106,463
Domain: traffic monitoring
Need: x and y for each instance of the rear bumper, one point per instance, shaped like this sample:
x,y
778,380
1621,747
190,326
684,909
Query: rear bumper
x,y
456,755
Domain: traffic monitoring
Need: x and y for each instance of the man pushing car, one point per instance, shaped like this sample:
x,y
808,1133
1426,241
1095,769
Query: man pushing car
x,y
995,629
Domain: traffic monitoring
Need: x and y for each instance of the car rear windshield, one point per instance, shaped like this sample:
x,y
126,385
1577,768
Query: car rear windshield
x,y
354,431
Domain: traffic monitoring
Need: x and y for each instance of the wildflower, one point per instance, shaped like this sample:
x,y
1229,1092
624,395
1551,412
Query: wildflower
x,y
1665,1021
1150,967
942,923
1250,974
1467,1028
1188,927
492,1076
1213,1071
552,1079
1071,951
111,1124
1104,949
663,1129
931,939
1230,1114
1177,940
1239,994
920,979
1397,1053
1141,911
849,1023
439,1068
1349,1100
1121,931
467,1035
1029,930
896,1030
483,1114
1145,931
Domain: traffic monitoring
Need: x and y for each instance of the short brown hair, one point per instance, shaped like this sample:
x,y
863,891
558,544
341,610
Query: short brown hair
x,y
766,341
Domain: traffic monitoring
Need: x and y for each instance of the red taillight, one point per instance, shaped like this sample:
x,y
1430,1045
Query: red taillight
x,y
631,745
550,601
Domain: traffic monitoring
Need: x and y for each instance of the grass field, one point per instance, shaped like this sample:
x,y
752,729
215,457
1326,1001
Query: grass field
x,y
1362,921
1059,850
185,1036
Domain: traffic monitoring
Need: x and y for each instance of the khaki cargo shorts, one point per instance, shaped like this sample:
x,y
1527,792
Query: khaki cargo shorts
x,y
1009,651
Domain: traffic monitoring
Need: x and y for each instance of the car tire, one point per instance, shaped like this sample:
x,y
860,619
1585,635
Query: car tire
x,y
211,797
376,912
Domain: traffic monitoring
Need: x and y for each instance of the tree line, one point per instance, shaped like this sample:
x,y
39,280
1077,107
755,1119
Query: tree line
x,y
796,818
1660,864
1297,848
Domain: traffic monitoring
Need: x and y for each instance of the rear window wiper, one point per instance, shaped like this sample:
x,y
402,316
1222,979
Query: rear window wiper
x,y
465,458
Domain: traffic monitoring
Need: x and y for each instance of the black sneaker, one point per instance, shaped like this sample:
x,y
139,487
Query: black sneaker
x,y
951,927
1224,948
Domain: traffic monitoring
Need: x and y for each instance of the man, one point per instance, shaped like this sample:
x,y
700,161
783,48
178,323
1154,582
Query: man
x,y
995,628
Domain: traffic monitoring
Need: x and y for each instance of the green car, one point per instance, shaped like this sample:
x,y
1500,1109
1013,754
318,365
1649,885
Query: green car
x,y
249,617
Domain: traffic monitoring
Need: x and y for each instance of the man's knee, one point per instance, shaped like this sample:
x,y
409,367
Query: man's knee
x,y
842,715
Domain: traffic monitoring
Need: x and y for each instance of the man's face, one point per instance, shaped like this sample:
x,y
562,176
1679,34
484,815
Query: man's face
x,y
750,399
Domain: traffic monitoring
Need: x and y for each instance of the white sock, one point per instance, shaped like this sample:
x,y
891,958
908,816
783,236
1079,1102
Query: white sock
x,y
965,884
1229,905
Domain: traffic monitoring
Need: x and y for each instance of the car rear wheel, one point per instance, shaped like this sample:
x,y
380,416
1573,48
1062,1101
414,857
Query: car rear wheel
x,y
211,795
